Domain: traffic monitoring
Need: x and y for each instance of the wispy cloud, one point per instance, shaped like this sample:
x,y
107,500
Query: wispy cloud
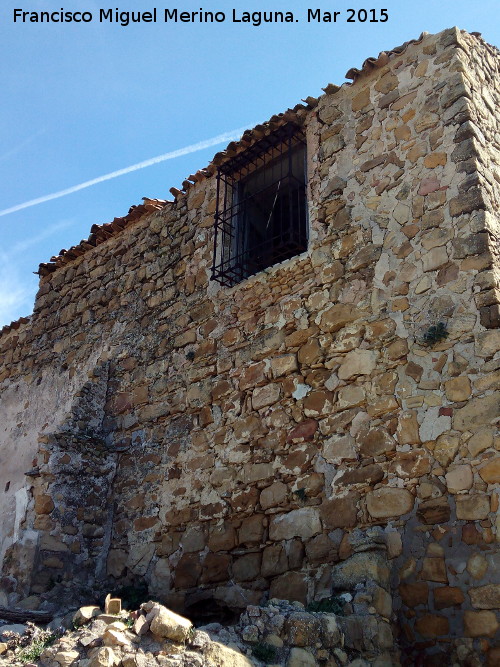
x,y
21,246
17,288
16,295
207,143
20,146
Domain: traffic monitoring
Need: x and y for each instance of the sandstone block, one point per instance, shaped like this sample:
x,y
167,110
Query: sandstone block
x,y
290,586
115,637
337,316
358,362
104,657
170,625
458,389
66,658
386,502
447,596
477,413
339,448
303,522
472,507
485,597
264,396
446,448
247,568
222,538
251,530
284,365
361,100
459,478
435,510
434,569
361,567
321,549
490,472
477,565
274,561
299,657
350,396
414,594
274,495
317,403
43,504
434,258
85,614
218,654
339,512
375,441
407,431
480,623
432,625
487,343
302,629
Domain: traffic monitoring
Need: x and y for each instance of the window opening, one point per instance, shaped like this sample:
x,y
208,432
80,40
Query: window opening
x,y
261,215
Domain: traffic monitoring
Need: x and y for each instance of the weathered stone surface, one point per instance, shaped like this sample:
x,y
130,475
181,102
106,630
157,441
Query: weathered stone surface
x,y
104,657
477,566
448,596
387,502
459,478
485,597
474,507
480,623
490,472
436,510
290,586
85,614
339,512
299,657
170,625
218,654
304,522
458,389
414,594
434,569
432,625
337,316
476,413
274,495
357,362
361,567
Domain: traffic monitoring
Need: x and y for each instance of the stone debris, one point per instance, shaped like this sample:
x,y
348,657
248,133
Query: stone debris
x,y
280,633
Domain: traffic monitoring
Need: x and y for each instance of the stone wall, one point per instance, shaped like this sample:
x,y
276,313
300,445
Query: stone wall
x,y
293,434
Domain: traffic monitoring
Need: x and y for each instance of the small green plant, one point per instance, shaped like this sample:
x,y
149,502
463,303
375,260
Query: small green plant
x,y
435,333
33,652
265,652
191,633
333,605
300,494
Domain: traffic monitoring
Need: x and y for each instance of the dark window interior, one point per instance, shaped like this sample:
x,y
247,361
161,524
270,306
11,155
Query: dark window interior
x,y
261,216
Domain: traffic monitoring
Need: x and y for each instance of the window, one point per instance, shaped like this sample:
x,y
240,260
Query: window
x,y
261,215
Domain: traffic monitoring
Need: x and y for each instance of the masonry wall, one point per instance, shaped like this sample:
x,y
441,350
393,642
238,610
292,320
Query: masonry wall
x,y
293,434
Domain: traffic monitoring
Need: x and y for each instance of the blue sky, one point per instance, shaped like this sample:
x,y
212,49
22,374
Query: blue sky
x,y
84,100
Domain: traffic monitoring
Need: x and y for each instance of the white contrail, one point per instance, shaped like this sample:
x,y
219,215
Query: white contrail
x,y
227,136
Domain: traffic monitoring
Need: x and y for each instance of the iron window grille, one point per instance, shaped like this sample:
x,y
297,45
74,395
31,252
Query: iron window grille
x,y
261,214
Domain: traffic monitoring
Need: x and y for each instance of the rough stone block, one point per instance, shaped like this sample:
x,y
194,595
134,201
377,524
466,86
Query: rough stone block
x,y
387,502
480,623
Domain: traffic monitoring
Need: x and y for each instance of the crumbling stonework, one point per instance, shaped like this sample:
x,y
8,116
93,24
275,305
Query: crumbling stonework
x,y
300,434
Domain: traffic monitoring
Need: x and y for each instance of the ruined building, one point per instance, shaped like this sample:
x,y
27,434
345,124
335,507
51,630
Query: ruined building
x,y
283,382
